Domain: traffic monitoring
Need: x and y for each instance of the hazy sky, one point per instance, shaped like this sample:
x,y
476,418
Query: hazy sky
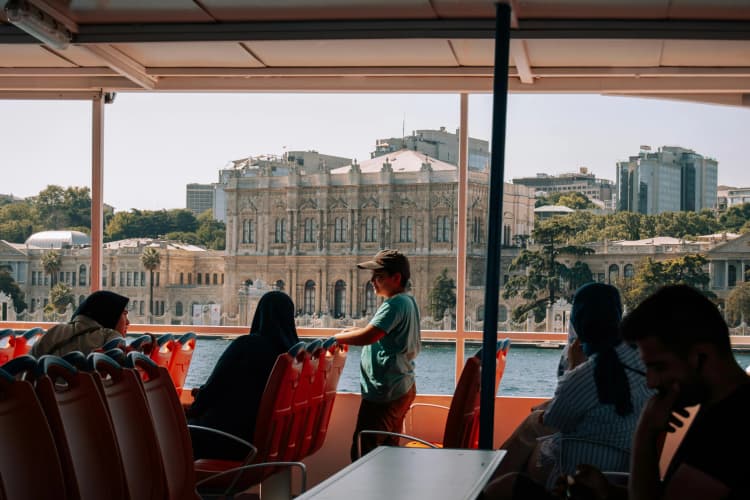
x,y
157,143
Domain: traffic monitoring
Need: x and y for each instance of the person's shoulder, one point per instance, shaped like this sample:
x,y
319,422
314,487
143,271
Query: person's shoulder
x,y
402,299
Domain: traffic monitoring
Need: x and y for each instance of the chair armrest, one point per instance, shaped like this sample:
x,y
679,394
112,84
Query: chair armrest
x,y
227,493
387,433
232,437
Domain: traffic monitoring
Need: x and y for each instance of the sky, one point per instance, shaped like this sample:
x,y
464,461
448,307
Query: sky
x,y
155,144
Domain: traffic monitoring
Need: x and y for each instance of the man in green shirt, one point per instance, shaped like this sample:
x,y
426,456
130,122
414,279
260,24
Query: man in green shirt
x,y
391,341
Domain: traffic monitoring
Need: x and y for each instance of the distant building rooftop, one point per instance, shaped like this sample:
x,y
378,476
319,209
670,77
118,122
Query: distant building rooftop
x,y
404,160
58,239
550,209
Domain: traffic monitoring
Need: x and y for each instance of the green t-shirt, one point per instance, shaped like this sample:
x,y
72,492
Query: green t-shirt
x,y
387,366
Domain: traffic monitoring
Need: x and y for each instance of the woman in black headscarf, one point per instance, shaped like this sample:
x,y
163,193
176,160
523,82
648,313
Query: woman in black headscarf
x,y
230,398
101,317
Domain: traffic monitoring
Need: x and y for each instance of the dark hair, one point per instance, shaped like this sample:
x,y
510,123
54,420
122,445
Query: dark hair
x,y
595,315
679,316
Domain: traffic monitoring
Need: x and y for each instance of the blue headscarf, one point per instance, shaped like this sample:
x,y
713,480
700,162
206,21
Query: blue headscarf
x,y
596,315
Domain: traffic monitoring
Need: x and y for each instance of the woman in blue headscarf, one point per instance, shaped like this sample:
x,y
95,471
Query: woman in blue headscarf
x,y
230,398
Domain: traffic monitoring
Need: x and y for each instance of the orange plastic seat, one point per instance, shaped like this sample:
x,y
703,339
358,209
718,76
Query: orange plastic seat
x,y
29,464
7,345
331,365
79,419
26,340
301,402
133,427
143,343
162,351
182,354
315,398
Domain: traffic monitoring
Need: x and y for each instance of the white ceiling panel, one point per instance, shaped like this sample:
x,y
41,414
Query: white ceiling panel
x,y
475,52
593,9
724,10
131,11
591,53
294,10
190,55
30,56
705,53
331,53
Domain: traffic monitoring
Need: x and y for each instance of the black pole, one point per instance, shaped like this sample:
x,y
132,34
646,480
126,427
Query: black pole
x,y
494,227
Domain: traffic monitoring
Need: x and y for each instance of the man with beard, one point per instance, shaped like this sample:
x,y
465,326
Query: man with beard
x,y
684,344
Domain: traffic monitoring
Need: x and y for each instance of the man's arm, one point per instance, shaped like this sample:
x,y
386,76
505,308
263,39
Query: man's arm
x,y
360,336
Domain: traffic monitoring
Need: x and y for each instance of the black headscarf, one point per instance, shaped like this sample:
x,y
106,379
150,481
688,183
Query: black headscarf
x,y
596,315
274,320
104,307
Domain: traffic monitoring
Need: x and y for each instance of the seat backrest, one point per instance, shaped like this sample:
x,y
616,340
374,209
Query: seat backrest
x,y
182,354
84,435
118,343
7,345
133,426
333,363
464,408
316,398
301,403
26,341
170,426
143,343
162,351
29,464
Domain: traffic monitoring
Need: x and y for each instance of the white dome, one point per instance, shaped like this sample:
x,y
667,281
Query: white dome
x,y
58,239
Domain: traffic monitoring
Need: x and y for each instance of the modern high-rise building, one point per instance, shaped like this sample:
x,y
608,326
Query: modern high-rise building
x,y
671,179
582,182
199,198
439,144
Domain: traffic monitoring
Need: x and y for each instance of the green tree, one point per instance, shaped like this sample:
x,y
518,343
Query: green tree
x,y
442,295
738,304
150,259
211,233
60,296
543,275
9,286
575,200
651,274
52,262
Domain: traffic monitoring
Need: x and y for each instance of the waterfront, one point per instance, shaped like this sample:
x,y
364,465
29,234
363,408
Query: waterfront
x,y
530,371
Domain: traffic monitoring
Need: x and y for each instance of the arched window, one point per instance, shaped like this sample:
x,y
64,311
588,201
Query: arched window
x,y
309,299
339,229
216,279
476,230
178,308
628,271
339,299
82,275
199,277
182,278
140,307
614,274
248,231
371,229
309,231
371,303
406,233
442,229
190,278
279,285
502,313
280,233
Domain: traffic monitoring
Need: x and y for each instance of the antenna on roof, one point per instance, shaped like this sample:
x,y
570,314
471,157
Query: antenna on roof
x,y
403,131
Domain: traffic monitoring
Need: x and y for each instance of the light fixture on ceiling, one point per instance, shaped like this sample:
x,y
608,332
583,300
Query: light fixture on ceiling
x,y
38,23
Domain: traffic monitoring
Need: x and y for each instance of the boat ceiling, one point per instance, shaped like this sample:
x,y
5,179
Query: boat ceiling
x,y
686,49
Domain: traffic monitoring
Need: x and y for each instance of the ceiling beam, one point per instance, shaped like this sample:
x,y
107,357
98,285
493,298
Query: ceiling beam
x,y
124,65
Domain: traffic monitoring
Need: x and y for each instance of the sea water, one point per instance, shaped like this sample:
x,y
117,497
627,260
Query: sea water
x,y
530,371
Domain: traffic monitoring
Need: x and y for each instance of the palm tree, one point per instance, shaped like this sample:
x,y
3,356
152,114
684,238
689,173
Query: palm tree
x,y
52,262
151,260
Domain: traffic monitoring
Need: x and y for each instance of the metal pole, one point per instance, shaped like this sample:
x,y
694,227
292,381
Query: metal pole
x,y
463,160
494,227
97,188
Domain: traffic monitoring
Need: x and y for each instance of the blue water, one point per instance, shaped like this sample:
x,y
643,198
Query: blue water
x,y
529,371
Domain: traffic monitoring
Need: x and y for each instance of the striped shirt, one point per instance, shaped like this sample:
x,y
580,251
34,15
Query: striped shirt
x,y
591,432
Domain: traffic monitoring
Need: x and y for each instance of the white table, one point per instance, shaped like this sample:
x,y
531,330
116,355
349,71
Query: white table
x,y
411,473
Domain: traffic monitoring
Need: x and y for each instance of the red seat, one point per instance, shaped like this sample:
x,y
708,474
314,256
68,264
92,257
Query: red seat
x,y
162,351
182,354
29,464
143,343
332,365
26,340
85,439
7,345
315,398
301,402
272,428
133,427
170,427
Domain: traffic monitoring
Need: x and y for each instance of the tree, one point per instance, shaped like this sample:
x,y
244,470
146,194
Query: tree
x,y
60,296
9,286
52,262
151,260
442,295
653,274
738,304
541,282
211,233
